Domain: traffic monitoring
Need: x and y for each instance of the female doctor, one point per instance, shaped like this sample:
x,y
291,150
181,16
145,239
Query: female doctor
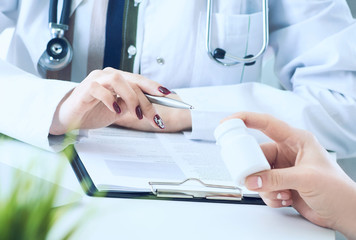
x,y
166,41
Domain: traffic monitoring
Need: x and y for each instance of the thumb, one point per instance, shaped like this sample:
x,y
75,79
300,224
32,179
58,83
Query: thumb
x,y
275,180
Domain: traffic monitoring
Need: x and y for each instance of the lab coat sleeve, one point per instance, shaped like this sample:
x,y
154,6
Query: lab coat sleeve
x,y
7,12
27,106
315,48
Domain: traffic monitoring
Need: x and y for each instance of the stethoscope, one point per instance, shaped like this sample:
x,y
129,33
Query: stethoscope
x,y
59,52
220,54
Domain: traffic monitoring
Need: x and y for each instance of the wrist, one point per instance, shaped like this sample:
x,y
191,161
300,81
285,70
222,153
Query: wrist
x,y
178,120
347,217
57,127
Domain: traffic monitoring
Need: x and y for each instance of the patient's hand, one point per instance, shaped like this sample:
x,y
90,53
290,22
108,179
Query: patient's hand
x,y
303,175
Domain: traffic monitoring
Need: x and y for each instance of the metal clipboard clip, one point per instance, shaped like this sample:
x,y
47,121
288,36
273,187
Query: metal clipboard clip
x,y
200,190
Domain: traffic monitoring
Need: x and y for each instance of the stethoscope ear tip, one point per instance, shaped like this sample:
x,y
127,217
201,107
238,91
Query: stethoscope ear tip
x,y
249,57
219,53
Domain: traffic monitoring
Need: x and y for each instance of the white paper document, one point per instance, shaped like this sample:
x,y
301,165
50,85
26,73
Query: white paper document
x,y
127,160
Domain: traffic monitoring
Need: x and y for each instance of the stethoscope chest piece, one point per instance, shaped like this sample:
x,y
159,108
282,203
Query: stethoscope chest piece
x,y
57,48
58,53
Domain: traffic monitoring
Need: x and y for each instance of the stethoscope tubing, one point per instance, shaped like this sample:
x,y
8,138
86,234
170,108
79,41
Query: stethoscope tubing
x,y
53,9
238,60
59,28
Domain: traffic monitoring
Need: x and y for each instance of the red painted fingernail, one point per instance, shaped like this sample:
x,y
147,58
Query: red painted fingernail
x,y
139,112
116,107
158,121
164,90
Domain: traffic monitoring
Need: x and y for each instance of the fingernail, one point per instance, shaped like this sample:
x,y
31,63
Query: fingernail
x,y
158,121
164,90
116,107
139,112
279,196
253,182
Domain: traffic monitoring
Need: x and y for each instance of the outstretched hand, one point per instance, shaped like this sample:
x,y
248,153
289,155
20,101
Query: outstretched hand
x,y
303,175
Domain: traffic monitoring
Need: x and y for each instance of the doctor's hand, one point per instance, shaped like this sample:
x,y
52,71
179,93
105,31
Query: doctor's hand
x,y
175,119
105,97
303,175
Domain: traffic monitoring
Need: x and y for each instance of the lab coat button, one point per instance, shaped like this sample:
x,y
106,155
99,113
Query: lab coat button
x,y
137,2
160,60
131,51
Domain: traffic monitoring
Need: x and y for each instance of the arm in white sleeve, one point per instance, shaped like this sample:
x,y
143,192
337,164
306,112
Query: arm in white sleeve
x,y
27,105
7,11
303,108
315,61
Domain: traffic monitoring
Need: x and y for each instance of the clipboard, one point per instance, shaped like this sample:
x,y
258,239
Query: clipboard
x,y
175,191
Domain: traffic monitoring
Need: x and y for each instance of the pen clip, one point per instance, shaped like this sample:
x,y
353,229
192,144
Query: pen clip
x,y
178,190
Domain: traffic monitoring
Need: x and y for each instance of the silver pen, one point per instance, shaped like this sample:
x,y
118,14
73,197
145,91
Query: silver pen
x,y
168,102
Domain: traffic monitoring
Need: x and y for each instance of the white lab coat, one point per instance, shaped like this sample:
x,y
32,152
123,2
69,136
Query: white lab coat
x,y
314,44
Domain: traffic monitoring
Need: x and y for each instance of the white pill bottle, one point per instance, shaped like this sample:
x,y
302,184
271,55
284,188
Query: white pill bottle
x,y
239,150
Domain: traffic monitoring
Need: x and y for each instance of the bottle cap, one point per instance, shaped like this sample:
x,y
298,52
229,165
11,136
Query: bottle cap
x,y
227,126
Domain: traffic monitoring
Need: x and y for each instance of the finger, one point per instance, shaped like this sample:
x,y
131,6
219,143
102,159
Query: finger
x,y
270,151
147,109
145,84
122,105
277,195
277,203
304,209
275,180
102,94
122,88
276,129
